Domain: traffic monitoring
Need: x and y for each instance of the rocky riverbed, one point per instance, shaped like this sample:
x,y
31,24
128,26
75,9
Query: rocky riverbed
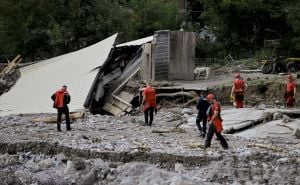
x,y
103,149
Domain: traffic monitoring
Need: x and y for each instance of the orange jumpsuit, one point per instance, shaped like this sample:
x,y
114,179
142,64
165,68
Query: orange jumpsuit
x,y
150,104
239,85
216,126
289,94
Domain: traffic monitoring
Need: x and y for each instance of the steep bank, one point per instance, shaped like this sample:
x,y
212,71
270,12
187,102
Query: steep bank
x,y
260,91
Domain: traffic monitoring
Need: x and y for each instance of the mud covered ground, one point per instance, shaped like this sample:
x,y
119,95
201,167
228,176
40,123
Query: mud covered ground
x,y
111,150
104,149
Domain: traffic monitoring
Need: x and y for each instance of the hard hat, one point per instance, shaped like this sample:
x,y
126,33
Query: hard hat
x,y
210,97
237,75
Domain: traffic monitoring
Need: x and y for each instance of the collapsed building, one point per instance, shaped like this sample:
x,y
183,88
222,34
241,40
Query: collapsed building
x,y
97,75
165,56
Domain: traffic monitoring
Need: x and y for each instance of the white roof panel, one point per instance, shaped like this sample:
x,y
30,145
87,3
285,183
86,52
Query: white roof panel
x,y
137,42
32,92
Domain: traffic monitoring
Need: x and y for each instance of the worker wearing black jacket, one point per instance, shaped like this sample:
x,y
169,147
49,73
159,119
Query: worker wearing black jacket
x,y
202,107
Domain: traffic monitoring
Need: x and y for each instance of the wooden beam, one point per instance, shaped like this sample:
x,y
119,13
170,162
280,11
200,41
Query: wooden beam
x,y
53,119
188,94
11,64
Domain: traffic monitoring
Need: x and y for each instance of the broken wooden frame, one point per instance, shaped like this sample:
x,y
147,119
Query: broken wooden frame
x,y
10,66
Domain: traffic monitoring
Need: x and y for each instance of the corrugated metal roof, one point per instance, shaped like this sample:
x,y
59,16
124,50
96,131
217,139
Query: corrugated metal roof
x,y
39,81
137,42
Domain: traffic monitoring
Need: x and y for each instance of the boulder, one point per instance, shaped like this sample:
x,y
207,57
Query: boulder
x,y
297,133
79,164
179,167
45,164
70,169
277,116
188,111
90,178
286,118
49,178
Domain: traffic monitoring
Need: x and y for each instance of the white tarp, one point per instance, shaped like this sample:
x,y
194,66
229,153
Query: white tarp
x,y
32,92
137,42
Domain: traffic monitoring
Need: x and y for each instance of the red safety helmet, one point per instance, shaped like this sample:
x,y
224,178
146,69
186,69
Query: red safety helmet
x,y
237,75
210,97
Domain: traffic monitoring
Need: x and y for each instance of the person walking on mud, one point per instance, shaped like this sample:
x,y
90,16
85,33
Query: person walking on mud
x,y
237,92
149,104
61,100
214,123
290,92
202,106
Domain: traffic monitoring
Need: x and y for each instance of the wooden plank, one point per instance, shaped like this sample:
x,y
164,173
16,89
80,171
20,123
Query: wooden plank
x,y
126,81
126,96
116,107
191,56
115,110
113,105
121,100
53,119
11,64
104,80
146,64
182,55
111,76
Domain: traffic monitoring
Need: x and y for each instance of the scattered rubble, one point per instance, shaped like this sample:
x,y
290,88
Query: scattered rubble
x,y
9,75
264,143
110,150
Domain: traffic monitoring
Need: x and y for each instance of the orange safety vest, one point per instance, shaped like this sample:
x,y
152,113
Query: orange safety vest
x,y
59,98
217,121
290,86
150,97
239,85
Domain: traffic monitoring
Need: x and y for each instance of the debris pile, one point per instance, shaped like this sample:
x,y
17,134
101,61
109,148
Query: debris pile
x,y
9,75
111,150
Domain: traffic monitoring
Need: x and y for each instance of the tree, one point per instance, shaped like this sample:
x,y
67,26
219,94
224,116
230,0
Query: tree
x,y
152,15
42,29
293,40
240,25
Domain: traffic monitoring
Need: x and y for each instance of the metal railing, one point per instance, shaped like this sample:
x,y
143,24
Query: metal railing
x,y
205,62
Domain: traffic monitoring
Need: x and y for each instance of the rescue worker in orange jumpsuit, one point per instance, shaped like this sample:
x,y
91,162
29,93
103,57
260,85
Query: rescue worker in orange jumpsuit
x,y
290,92
237,91
214,122
61,98
149,104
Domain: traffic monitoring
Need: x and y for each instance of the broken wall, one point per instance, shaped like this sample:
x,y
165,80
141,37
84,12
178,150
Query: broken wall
x,y
182,55
147,67
174,55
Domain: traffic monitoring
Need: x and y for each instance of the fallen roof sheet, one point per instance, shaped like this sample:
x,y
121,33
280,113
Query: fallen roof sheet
x,y
137,42
39,81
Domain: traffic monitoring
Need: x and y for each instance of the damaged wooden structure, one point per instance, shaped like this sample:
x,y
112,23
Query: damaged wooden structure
x,y
11,65
168,55
97,76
